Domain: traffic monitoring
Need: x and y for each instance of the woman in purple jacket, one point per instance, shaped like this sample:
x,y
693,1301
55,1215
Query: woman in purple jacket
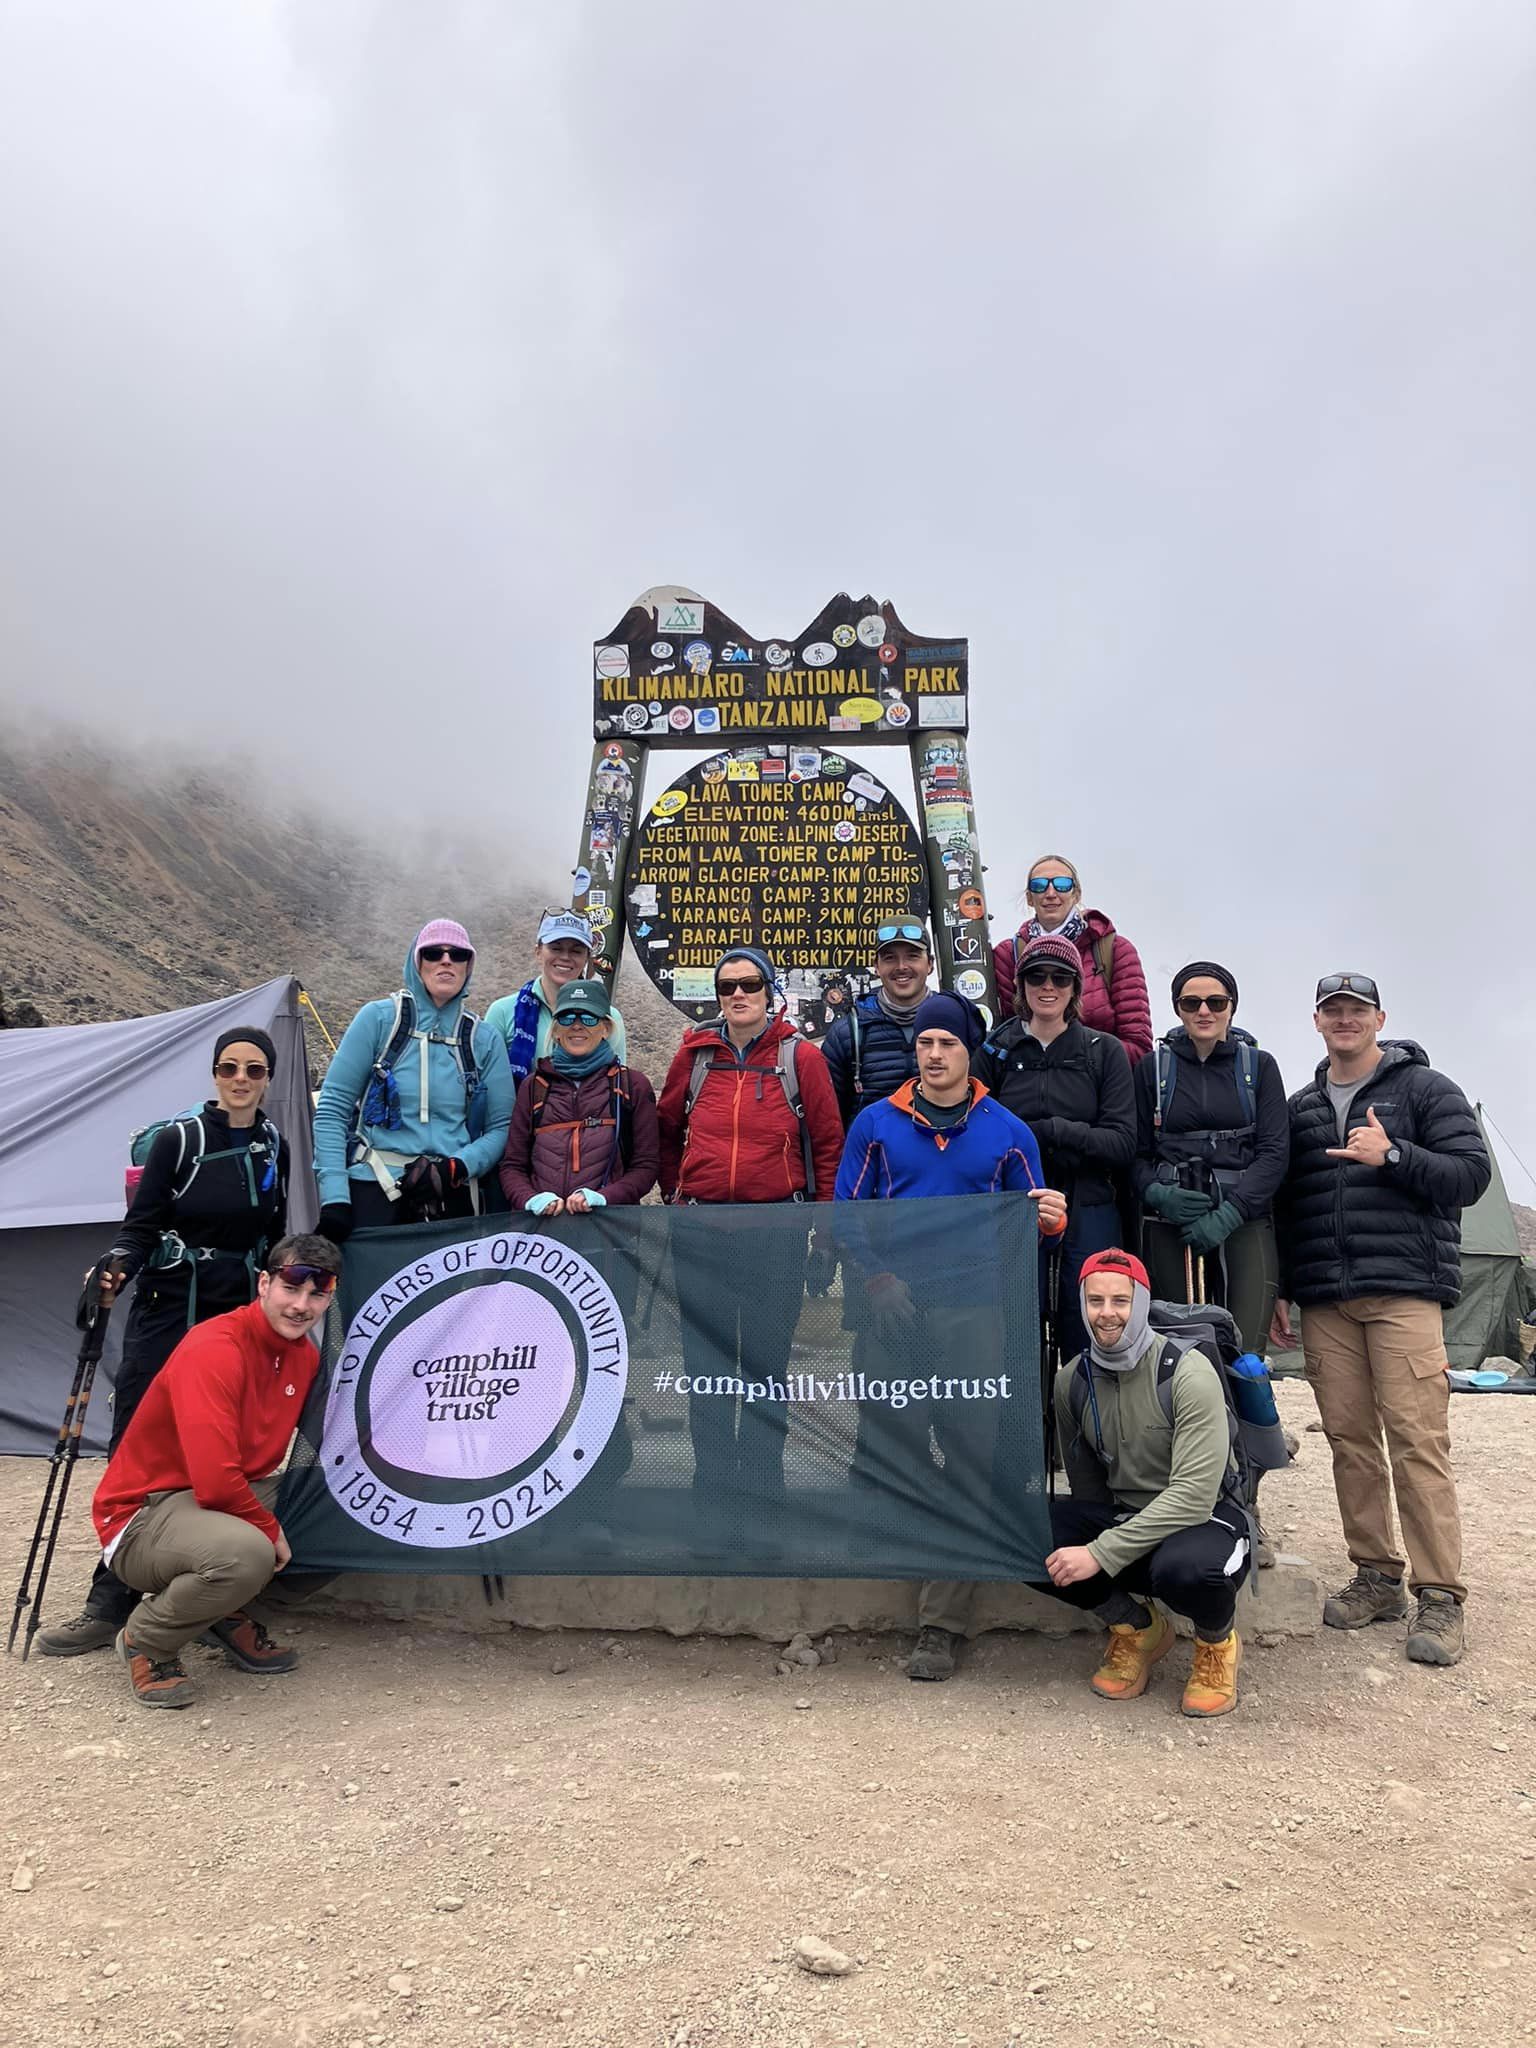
x,y
584,1133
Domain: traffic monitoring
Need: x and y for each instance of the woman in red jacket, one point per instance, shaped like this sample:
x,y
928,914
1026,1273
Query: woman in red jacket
x,y
1114,992
748,1115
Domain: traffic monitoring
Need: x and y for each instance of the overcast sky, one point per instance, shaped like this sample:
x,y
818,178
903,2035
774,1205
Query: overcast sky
x,y
360,363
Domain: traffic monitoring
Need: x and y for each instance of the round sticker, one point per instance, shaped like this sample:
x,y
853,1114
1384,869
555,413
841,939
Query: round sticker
x,y
777,655
971,984
680,717
661,649
899,713
871,629
636,717
843,636
820,653
699,654
862,710
669,803
844,830
470,1404
612,661
888,653
969,903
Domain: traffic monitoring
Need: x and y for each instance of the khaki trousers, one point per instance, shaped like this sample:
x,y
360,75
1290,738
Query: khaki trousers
x,y
193,1566
1377,1366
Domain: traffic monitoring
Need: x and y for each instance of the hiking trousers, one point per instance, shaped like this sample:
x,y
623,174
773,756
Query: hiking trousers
x,y
1242,1274
1196,1572
192,1566
1377,1366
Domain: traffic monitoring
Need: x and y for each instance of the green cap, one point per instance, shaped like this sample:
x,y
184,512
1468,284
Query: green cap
x,y
583,995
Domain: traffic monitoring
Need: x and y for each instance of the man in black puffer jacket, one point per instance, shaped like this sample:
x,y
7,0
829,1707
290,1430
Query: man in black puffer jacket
x,y
1385,1155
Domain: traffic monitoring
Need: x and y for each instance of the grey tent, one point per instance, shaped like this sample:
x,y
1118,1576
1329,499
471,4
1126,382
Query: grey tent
x,y
70,1098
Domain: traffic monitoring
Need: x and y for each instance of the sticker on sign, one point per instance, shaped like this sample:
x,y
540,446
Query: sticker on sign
x,y
940,710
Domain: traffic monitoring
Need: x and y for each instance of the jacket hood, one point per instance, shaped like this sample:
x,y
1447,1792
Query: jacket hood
x,y
448,1015
1395,1052
1182,1047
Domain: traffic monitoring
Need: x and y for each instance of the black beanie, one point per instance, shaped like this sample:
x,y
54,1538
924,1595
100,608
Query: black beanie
x,y
1210,967
246,1034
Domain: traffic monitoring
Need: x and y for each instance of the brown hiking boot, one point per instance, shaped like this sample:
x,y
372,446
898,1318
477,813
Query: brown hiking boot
x,y
73,1638
247,1645
156,1681
933,1655
1212,1687
1369,1596
1128,1660
1437,1635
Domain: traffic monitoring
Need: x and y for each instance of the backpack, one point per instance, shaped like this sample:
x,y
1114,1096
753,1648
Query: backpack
x,y
380,1107
173,1250
1257,1447
789,1081
1104,960
1245,1070
618,1100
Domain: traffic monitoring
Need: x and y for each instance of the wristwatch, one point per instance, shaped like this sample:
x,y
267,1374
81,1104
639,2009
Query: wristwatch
x,y
1394,1155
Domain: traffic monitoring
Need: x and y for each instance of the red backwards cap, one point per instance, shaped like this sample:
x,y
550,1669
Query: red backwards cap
x,y
1116,1261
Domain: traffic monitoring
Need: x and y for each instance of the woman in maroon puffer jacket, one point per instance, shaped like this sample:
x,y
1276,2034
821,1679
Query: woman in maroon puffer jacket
x,y
1114,992
584,1134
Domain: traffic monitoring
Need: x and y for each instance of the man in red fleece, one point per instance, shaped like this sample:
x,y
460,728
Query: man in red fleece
x,y
184,1508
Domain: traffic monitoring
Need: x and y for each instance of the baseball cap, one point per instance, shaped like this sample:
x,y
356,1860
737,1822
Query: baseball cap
x,y
583,995
1360,986
565,924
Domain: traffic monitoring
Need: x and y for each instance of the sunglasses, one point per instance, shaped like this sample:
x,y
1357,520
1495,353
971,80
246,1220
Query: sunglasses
x,y
319,1277
457,954
1358,985
912,932
1049,977
1062,884
253,1070
578,1017
1190,1006
749,985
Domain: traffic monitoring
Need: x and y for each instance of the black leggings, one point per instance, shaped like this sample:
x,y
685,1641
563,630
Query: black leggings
x,y
1196,1573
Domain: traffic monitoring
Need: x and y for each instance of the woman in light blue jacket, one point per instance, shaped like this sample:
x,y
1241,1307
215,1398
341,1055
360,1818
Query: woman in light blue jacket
x,y
416,1102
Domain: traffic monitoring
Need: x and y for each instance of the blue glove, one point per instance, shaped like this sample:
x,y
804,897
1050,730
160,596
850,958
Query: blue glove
x,y
540,1205
1176,1205
1206,1232
594,1199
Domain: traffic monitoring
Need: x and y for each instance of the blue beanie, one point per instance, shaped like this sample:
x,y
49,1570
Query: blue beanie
x,y
758,958
946,1011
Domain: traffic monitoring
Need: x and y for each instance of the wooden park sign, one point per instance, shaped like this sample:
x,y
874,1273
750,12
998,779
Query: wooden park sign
x,y
780,837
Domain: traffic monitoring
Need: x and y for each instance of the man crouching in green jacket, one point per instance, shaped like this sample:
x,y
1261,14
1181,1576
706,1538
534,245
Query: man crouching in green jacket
x,y
1155,1508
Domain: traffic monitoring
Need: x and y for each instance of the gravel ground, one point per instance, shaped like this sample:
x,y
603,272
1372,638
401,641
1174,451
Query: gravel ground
x,y
428,1838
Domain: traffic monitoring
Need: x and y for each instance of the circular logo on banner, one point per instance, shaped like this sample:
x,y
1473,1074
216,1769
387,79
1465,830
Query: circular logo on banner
x,y
475,1390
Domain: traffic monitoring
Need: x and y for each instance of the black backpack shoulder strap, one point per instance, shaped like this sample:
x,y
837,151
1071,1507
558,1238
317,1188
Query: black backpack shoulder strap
x,y
400,1031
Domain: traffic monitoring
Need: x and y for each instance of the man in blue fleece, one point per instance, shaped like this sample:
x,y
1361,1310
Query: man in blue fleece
x,y
940,1134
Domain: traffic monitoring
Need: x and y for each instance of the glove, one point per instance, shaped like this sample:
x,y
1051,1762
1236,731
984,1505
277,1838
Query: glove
x,y
820,1272
336,1222
1206,1232
540,1205
594,1199
1176,1205
454,1173
1047,1130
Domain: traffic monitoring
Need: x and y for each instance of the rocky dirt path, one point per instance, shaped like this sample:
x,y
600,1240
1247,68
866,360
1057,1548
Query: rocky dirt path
x,y
428,1840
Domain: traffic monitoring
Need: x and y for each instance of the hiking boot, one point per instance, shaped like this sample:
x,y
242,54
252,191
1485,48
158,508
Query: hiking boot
x,y
1127,1668
1436,1635
73,1638
156,1681
1212,1687
247,1645
933,1655
1369,1596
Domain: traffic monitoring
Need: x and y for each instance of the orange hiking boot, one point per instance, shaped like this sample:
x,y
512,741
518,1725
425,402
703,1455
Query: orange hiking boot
x,y
247,1645
1127,1667
1212,1687
156,1681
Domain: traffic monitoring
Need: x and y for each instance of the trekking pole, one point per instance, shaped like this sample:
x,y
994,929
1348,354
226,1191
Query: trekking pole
x,y
65,1454
1050,1360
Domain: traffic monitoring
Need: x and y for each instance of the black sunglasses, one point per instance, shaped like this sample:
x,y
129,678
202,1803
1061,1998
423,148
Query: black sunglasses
x,y
1190,1006
1049,977
253,1070
1358,985
749,985
457,954
319,1277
